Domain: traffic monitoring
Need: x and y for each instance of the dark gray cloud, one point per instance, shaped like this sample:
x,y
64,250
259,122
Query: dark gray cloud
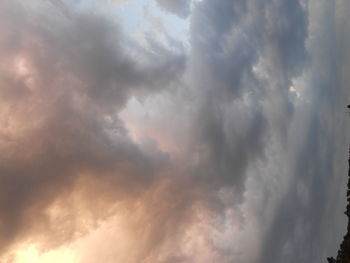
x,y
319,162
246,56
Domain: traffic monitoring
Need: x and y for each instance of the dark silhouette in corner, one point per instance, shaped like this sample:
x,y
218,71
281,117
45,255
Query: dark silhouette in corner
x,y
344,250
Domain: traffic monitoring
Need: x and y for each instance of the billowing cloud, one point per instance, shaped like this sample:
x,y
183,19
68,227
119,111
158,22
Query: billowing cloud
x,y
233,150
64,78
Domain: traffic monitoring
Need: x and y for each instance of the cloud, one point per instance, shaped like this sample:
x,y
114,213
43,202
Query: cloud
x,y
319,161
64,78
203,155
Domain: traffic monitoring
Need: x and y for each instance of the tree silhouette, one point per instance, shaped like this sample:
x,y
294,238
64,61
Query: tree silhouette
x,y
344,250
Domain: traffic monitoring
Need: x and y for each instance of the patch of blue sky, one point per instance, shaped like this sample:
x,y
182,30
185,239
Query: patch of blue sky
x,y
136,16
175,26
132,14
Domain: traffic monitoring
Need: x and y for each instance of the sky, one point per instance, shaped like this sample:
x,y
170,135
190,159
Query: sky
x,y
173,131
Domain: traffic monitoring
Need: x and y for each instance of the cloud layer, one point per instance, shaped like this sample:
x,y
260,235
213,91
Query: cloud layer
x,y
122,150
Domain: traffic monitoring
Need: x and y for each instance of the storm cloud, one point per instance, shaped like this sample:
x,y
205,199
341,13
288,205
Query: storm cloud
x,y
117,147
